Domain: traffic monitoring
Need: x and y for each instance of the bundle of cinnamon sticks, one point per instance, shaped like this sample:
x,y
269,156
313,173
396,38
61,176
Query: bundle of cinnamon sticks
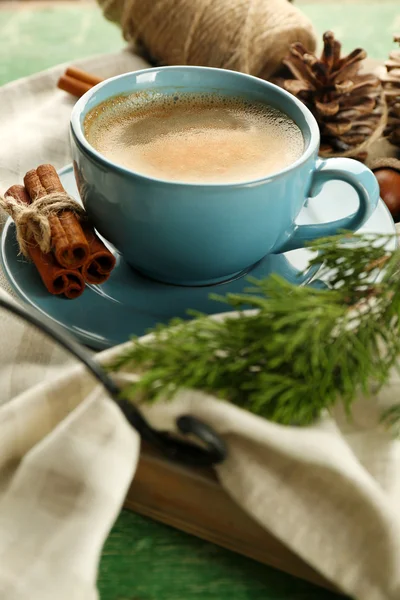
x,y
77,255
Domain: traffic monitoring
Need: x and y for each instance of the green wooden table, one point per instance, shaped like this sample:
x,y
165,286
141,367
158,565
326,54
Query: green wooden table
x,y
143,560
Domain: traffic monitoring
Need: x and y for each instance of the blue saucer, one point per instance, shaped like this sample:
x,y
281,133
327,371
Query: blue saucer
x,y
130,304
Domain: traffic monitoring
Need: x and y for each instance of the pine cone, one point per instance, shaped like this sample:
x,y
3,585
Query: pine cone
x,y
348,105
391,85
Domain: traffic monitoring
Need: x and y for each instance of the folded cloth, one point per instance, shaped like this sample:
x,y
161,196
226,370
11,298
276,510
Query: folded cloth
x,y
67,456
331,492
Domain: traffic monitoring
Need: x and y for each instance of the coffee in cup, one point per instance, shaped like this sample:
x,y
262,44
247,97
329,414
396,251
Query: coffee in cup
x,y
192,138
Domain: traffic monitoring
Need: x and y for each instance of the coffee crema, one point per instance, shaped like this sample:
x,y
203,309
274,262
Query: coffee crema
x,y
193,138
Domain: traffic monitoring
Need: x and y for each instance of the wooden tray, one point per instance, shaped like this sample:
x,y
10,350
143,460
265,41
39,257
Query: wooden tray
x,y
193,501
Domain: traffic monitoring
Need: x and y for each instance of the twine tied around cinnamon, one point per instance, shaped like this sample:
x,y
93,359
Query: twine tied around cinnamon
x,y
32,220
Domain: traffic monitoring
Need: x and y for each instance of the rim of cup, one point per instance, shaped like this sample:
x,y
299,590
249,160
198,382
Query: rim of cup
x,y
80,110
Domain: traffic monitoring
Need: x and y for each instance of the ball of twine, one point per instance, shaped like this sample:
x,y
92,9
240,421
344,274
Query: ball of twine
x,y
252,36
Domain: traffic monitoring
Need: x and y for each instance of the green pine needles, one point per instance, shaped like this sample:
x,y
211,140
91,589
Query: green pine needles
x,y
302,350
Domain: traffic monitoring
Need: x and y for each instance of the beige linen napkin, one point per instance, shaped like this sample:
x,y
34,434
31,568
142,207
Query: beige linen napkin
x,y
67,456
331,492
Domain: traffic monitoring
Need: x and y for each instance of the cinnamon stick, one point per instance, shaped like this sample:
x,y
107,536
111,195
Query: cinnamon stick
x,y
80,75
101,261
77,82
75,87
70,246
56,279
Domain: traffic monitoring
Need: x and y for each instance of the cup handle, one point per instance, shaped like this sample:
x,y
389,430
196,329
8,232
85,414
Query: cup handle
x,y
360,178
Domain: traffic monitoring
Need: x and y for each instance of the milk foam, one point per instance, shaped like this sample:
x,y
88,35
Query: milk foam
x,y
194,138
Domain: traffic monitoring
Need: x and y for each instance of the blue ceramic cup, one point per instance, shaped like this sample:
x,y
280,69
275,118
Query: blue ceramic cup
x,y
195,234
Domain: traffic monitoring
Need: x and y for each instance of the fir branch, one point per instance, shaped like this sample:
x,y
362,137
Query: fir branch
x,y
302,349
